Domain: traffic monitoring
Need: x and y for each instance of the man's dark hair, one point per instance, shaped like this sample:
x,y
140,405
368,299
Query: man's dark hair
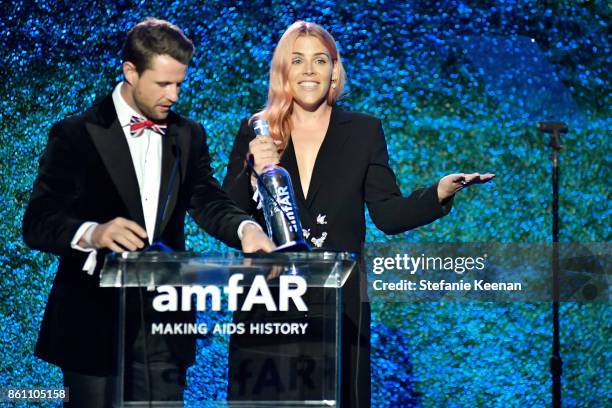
x,y
153,37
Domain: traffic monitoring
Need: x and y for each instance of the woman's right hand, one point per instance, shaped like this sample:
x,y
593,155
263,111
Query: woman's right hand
x,y
265,152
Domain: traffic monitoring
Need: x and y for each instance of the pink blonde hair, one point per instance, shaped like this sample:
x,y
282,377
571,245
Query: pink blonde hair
x,y
280,100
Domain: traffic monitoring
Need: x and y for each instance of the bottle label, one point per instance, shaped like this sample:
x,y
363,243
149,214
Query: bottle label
x,y
283,197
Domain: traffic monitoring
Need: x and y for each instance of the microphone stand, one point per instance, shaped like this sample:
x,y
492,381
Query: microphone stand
x,y
556,363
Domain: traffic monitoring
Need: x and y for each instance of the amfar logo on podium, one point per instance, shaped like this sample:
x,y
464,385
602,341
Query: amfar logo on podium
x,y
290,287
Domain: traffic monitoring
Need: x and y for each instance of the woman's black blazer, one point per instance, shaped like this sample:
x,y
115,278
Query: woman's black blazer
x,y
351,171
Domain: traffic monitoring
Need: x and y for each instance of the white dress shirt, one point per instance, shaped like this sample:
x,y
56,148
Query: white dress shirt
x,y
146,152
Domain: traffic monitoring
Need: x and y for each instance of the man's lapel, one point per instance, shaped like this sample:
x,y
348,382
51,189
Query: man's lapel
x,y
109,139
175,150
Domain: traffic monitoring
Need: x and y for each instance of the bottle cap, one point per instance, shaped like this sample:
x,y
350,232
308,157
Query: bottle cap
x,y
261,127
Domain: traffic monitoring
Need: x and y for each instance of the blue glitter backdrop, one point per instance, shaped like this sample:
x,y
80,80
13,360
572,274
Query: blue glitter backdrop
x,y
459,87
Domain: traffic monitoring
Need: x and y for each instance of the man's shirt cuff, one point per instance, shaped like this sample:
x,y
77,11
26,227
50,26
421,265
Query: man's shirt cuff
x,y
244,224
85,231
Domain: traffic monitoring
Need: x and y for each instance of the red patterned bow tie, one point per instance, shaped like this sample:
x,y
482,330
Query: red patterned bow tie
x,y
138,125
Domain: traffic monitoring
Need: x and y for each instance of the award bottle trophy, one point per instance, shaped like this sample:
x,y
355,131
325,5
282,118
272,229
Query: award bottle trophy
x,y
278,201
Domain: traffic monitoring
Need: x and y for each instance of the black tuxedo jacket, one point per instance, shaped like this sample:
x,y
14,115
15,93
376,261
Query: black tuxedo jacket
x,y
86,174
351,171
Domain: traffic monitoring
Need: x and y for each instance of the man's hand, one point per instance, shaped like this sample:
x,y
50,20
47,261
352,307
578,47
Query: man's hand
x,y
452,183
254,239
119,235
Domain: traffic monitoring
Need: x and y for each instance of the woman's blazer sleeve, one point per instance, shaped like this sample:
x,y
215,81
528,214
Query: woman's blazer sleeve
x,y
391,212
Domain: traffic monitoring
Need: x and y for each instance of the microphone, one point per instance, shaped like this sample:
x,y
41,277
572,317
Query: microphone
x,y
555,129
552,127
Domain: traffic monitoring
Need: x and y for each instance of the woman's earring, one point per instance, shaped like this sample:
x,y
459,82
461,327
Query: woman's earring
x,y
334,83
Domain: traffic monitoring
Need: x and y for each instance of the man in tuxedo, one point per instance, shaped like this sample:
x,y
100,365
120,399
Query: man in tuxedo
x,y
118,177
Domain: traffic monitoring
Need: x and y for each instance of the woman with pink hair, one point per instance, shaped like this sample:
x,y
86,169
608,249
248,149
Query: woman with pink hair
x,y
338,163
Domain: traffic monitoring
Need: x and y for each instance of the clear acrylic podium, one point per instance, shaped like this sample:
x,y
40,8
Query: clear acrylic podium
x,y
279,358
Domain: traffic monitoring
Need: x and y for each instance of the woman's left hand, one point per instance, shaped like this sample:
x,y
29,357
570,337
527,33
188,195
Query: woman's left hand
x,y
450,184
